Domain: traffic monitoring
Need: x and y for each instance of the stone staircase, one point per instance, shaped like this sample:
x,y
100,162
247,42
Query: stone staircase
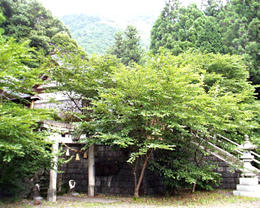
x,y
248,187
249,184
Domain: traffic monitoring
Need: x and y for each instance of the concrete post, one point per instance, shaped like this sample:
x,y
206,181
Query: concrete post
x,y
53,174
91,171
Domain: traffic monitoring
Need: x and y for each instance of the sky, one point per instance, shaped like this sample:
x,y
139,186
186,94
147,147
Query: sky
x,y
107,8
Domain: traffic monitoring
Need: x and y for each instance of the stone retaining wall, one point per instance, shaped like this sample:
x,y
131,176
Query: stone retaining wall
x,y
230,176
114,174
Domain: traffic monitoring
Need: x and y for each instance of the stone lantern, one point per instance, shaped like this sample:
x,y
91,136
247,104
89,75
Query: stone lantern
x,y
247,157
248,183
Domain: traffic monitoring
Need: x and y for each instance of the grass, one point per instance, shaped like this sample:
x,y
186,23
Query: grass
x,y
217,198
197,199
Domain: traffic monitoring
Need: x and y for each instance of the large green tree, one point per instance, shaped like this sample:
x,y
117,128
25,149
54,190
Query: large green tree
x,y
171,99
154,106
23,150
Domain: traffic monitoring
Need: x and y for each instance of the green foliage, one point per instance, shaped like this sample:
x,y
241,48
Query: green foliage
x,y
83,76
179,168
29,20
180,29
22,149
16,76
229,29
152,107
64,44
173,91
227,71
2,19
80,78
239,24
127,46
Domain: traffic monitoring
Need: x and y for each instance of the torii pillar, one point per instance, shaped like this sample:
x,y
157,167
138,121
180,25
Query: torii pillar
x,y
53,174
91,171
56,138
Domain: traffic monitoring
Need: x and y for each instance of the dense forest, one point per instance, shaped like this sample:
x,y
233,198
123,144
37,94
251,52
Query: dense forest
x,y
198,79
29,20
226,28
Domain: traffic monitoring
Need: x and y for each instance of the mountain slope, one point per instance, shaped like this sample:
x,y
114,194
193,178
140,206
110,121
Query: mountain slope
x,y
92,33
96,34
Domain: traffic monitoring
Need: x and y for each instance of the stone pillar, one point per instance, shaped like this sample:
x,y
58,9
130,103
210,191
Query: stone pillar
x,y
53,174
91,171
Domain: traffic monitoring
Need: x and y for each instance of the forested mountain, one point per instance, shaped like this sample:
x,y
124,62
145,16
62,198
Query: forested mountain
x,y
96,34
29,20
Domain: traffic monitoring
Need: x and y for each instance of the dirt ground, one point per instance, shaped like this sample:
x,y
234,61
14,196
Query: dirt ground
x,y
215,199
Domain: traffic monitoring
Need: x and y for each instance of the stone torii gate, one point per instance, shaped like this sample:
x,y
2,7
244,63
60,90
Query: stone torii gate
x,y
61,133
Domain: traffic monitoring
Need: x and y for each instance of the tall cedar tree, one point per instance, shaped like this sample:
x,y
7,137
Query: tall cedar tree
x,y
127,46
239,23
179,29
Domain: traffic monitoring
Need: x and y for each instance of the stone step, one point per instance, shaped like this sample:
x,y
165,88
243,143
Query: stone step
x,y
253,188
248,181
247,193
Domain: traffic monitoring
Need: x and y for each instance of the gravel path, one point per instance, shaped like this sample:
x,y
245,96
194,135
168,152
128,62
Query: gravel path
x,y
87,199
110,203
236,205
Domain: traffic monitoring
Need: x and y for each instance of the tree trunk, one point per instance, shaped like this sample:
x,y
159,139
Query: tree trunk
x,y
134,171
194,187
140,180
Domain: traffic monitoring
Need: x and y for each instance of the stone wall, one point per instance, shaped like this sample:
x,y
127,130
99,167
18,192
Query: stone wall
x,y
74,170
230,176
114,174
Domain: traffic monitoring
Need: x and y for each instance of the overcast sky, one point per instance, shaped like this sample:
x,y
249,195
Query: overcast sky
x,y
109,8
